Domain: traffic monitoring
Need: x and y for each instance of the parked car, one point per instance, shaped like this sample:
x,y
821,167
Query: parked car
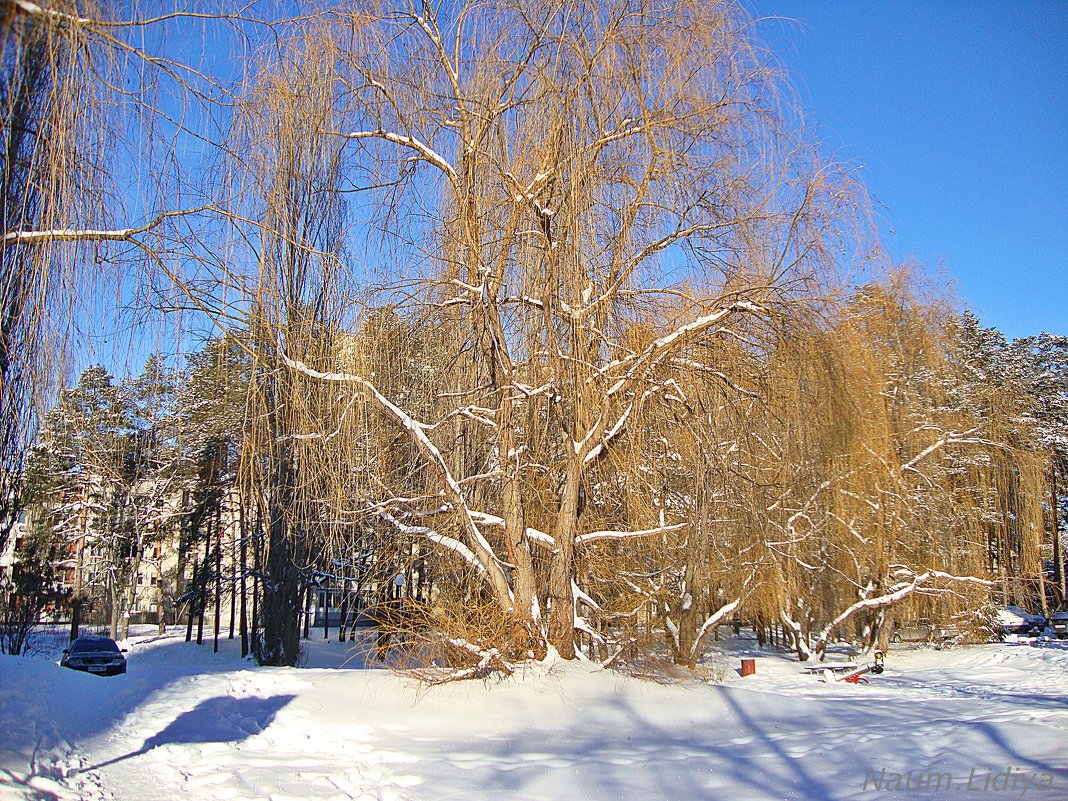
x,y
1014,620
95,655
1058,621
923,630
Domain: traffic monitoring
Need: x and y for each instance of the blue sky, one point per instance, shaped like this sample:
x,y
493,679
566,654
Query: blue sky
x,y
958,113
955,113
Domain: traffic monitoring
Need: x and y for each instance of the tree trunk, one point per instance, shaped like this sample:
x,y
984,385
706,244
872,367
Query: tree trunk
x,y
326,608
218,578
75,617
257,568
281,588
202,589
1060,590
233,585
344,622
243,529
525,637
190,607
161,600
129,594
561,633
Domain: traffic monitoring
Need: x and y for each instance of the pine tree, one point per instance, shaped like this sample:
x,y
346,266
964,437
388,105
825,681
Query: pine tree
x,y
82,466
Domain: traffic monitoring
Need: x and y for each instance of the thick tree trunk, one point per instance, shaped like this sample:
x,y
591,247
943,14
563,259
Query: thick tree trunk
x,y
526,637
692,611
281,601
561,633
282,584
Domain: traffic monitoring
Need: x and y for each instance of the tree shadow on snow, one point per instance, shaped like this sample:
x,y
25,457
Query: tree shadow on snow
x,y
222,719
737,747
622,752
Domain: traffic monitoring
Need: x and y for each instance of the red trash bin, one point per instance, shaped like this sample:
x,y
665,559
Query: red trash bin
x,y
748,667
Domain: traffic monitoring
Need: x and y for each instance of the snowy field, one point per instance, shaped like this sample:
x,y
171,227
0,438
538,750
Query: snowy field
x,y
983,723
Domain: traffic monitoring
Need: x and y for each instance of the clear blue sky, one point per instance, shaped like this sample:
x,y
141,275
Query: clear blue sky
x,y
958,112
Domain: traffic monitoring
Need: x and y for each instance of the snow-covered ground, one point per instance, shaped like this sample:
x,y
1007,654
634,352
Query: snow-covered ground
x,y
987,722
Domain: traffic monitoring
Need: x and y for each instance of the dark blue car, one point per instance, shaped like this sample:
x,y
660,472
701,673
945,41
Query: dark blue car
x,y
95,655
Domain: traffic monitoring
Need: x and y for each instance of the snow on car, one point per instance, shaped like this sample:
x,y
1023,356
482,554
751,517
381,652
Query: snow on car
x,y
1058,622
1015,620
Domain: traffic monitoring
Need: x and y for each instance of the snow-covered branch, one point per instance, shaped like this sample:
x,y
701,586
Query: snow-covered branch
x,y
88,234
947,439
451,543
478,544
633,366
533,534
713,620
489,661
424,150
898,593
608,436
593,536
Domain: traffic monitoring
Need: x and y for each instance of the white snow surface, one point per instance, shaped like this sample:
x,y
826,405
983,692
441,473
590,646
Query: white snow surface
x,y
184,723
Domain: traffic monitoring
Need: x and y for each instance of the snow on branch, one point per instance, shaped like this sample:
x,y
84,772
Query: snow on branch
x,y
966,579
533,534
478,544
635,364
718,374
898,593
713,620
88,234
581,596
901,592
444,540
35,10
424,150
593,536
489,661
608,436
949,439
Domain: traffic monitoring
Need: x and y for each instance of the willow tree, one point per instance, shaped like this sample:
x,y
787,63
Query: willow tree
x,y
556,173
287,215
96,101
900,475
46,177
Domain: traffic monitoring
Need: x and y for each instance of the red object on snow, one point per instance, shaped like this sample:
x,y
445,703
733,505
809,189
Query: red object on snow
x,y
748,667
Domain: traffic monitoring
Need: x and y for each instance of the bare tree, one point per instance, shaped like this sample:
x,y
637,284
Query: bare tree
x,y
542,311
289,181
562,176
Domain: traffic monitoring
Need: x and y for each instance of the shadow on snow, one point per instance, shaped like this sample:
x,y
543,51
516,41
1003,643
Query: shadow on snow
x,y
222,719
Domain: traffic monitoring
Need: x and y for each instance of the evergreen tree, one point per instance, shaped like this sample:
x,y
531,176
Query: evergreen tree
x,y
82,469
212,435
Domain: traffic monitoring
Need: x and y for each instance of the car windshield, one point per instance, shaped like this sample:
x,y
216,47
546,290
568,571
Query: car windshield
x,y
96,644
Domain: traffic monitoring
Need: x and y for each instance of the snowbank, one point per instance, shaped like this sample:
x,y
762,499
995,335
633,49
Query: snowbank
x,y
987,722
